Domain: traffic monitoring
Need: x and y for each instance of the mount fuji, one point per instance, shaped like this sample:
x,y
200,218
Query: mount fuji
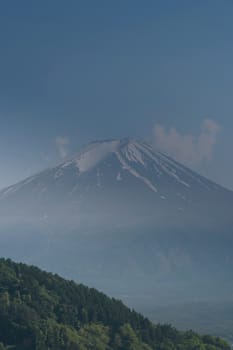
x,y
117,183
123,218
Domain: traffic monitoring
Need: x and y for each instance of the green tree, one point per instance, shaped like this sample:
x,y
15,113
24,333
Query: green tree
x,y
94,336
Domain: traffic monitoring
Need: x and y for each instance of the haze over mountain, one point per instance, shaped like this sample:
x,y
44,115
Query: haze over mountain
x,y
117,183
149,224
125,219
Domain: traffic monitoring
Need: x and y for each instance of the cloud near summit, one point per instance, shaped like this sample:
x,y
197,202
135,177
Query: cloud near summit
x,y
187,148
62,144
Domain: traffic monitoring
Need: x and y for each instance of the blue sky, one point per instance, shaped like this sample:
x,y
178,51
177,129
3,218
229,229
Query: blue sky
x,y
75,71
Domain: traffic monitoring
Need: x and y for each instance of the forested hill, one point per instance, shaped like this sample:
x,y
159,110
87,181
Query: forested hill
x,y
42,311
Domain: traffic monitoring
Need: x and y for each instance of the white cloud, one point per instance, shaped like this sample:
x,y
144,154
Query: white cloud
x,y
187,148
62,144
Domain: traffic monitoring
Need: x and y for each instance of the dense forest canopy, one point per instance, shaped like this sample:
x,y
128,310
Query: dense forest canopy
x,y
42,311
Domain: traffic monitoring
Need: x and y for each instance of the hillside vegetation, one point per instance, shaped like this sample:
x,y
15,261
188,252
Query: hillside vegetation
x,y
42,311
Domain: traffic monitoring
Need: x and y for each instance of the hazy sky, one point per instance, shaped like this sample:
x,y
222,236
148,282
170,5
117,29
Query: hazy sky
x,y
75,71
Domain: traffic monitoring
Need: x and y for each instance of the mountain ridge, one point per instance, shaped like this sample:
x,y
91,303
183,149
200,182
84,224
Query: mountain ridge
x,y
125,219
40,311
114,173
118,143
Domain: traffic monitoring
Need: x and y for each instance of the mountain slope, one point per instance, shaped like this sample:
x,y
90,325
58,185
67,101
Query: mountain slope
x,y
42,311
117,181
128,220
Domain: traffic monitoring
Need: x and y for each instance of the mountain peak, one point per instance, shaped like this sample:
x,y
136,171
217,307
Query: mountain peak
x,y
110,176
97,151
123,160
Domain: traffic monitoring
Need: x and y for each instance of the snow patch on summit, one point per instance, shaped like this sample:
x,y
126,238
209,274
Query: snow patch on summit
x,y
135,173
133,153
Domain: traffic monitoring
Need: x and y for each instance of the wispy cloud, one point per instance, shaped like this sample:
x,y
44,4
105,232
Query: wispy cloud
x,y
62,144
187,148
